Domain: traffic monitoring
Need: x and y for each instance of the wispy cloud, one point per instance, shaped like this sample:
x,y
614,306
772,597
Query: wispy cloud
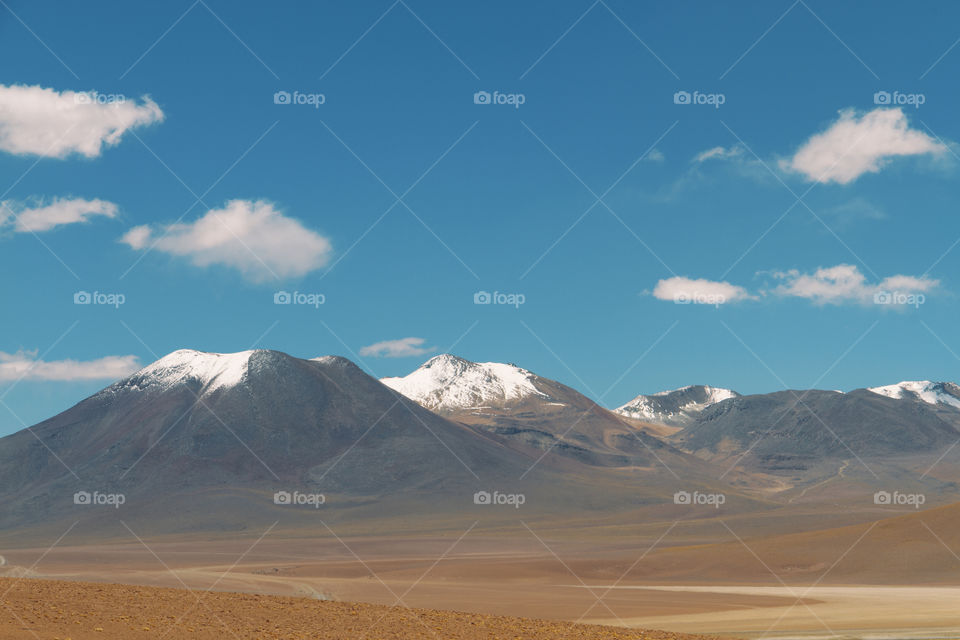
x,y
859,143
402,348
719,153
855,211
40,217
250,236
45,122
655,155
25,365
715,165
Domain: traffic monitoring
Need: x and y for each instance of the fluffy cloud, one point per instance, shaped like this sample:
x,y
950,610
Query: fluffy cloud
x,y
251,236
45,122
858,144
25,365
402,348
689,291
61,211
845,283
837,285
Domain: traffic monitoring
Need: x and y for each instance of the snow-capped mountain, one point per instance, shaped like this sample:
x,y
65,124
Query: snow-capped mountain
x,y
795,431
201,440
447,383
531,413
676,407
210,371
937,393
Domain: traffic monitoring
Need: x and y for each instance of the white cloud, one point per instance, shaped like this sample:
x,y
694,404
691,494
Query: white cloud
x,y
251,236
841,284
655,155
60,211
858,144
25,365
402,348
845,283
137,237
719,153
54,124
689,291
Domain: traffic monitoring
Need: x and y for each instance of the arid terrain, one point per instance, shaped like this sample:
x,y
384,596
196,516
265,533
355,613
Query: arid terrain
x,y
824,582
78,611
544,507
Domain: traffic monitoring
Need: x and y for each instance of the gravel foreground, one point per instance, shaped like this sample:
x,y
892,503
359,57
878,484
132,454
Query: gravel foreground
x,y
58,610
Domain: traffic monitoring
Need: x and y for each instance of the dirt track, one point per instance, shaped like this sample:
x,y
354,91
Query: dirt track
x,y
51,609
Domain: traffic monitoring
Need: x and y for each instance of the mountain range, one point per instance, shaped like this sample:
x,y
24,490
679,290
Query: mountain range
x,y
783,432
202,442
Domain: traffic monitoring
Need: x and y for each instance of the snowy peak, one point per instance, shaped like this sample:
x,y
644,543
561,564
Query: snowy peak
x,y
679,406
212,370
942,393
449,383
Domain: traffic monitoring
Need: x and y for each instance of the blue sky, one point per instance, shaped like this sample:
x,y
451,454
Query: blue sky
x,y
789,215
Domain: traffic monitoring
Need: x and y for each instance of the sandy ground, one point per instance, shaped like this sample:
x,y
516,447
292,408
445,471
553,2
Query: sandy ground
x,y
503,577
837,611
34,609
498,577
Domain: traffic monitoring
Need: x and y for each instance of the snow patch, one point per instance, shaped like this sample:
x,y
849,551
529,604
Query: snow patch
x,y
212,370
449,383
670,408
924,390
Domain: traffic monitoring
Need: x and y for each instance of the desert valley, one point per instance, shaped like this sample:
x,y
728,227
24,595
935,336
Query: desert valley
x,y
484,488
